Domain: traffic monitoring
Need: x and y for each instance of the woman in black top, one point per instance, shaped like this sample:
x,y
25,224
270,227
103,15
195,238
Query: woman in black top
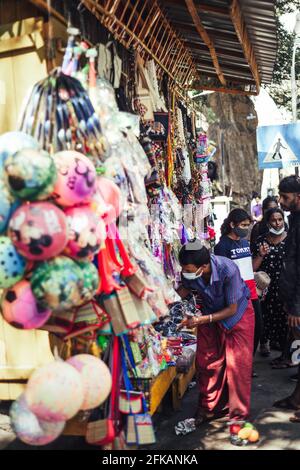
x,y
268,254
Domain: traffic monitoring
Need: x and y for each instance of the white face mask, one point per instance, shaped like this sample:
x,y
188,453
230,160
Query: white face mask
x,y
192,276
276,232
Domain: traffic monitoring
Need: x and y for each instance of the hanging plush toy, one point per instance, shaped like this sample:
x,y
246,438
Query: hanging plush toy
x,y
12,265
20,309
86,233
39,230
76,178
30,174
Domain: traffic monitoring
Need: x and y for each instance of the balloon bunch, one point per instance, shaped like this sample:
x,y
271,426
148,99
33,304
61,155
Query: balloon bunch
x,y
55,393
50,230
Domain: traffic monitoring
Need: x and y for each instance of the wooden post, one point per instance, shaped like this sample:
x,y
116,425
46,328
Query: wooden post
x,y
206,38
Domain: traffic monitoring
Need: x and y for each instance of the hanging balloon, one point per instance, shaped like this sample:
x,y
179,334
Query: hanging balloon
x,y
96,379
12,265
39,230
12,142
111,194
5,206
20,309
91,281
54,392
30,174
57,284
76,178
86,232
29,428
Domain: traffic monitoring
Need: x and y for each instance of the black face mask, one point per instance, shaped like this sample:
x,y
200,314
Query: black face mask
x,y
241,232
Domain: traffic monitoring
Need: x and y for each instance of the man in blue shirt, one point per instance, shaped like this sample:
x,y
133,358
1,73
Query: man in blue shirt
x,y
225,332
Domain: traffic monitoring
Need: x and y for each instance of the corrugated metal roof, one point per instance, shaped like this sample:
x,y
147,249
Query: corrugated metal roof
x,y
259,17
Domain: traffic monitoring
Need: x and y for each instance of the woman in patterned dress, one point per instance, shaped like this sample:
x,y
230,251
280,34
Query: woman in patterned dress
x,y
268,254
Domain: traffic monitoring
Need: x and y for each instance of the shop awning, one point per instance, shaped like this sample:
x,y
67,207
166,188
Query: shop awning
x,y
223,45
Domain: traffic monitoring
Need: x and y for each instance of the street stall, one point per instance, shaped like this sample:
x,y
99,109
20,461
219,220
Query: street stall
x,y
103,177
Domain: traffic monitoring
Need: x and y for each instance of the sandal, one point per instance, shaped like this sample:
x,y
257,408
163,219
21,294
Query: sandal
x,y
295,418
264,350
207,417
286,404
283,365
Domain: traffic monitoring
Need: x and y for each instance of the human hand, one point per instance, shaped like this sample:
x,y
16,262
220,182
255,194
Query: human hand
x,y
264,249
293,321
192,322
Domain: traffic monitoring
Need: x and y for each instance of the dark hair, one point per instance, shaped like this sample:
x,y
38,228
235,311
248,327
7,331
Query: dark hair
x,y
236,216
272,211
290,184
267,201
254,195
196,257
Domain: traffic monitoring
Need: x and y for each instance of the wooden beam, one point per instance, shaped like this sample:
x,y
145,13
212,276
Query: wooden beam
x,y
242,34
202,7
202,32
219,50
42,4
225,90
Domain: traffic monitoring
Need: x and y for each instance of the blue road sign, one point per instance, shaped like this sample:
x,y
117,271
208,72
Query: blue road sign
x,y
278,146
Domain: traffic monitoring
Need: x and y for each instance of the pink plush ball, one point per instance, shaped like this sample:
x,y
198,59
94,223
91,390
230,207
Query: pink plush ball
x,y
86,232
76,178
38,230
96,379
20,309
54,392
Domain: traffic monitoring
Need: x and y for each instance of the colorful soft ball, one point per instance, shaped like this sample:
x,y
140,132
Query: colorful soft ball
x,y
5,206
39,230
54,392
76,178
12,142
91,281
12,264
96,379
30,174
29,428
20,308
57,284
86,232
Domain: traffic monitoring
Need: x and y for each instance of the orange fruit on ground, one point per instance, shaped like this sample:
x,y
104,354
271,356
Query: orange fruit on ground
x,y
254,436
244,433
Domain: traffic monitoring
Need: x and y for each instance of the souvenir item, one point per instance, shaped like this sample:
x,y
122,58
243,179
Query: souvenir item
x,y
12,265
5,206
96,379
76,178
90,281
54,392
60,115
111,195
57,284
30,174
12,142
29,428
20,308
86,232
39,230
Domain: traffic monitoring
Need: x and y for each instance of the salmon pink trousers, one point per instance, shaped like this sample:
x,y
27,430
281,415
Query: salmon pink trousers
x,y
224,367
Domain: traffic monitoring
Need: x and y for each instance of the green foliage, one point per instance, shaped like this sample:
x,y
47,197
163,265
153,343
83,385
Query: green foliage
x,y
280,88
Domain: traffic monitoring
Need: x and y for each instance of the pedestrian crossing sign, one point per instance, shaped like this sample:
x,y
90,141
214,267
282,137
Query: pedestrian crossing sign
x,y
278,146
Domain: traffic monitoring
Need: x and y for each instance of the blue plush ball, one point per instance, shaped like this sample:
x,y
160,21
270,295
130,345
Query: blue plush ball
x,y
12,265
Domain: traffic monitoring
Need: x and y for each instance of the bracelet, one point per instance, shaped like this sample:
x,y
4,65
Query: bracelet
x,y
210,318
